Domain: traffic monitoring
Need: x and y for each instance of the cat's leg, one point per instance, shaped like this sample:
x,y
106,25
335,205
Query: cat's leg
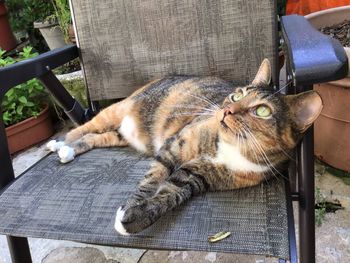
x,y
149,185
108,119
178,187
88,142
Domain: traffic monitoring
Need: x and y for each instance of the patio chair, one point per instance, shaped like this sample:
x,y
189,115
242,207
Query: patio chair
x,y
124,44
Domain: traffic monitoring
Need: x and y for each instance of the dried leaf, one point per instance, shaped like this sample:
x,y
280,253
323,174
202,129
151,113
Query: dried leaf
x,y
219,236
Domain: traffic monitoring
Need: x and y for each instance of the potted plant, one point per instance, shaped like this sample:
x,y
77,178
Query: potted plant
x,y
332,128
7,39
25,114
55,28
22,14
51,31
64,18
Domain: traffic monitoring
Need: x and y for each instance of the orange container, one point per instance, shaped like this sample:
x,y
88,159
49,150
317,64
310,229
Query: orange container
x,y
304,7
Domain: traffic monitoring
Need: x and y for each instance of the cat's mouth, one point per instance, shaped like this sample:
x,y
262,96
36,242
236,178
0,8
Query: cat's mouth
x,y
223,124
226,127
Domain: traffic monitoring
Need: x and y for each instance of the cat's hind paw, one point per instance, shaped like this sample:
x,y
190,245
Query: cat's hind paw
x,y
54,146
66,154
118,222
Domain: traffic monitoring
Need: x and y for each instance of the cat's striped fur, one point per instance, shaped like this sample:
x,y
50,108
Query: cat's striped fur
x,y
202,139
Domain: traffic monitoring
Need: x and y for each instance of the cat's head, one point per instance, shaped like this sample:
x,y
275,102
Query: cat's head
x,y
259,118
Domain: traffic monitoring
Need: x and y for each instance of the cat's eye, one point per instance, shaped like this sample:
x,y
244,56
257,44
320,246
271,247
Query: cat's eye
x,y
263,111
236,96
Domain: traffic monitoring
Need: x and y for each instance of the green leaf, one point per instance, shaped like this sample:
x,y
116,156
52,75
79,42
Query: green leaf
x,y
10,93
22,99
39,87
2,52
19,109
6,115
30,104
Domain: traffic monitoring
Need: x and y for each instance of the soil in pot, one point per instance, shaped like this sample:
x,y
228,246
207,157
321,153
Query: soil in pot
x,y
30,131
340,31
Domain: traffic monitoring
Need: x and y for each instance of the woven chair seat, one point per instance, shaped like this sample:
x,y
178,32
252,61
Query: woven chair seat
x,y
78,201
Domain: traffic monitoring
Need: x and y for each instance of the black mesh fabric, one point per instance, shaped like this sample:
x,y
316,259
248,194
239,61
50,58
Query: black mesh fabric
x,y
125,44
78,201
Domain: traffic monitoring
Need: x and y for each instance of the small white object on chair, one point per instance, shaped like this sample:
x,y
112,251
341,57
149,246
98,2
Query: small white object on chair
x,y
54,145
66,154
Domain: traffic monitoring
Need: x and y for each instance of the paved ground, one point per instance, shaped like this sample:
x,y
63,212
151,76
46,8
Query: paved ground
x,y
333,237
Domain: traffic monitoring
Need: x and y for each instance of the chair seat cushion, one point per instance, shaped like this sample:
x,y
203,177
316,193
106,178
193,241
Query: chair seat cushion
x,y
78,201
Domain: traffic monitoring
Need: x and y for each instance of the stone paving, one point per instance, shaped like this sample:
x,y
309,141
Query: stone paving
x,y
333,236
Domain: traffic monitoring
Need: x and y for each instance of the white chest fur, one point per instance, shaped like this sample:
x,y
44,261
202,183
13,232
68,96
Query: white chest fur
x,y
129,130
230,156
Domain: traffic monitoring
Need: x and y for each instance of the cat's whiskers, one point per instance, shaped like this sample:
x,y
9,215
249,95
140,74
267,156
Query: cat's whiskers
x,y
205,100
259,147
286,154
289,82
197,111
190,114
254,150
177,106
257,151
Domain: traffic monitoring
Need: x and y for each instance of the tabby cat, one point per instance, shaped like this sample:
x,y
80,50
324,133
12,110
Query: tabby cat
x,y
204,134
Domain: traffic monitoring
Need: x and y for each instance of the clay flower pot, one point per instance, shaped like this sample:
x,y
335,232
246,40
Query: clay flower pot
x,y
30,131
7,39
332,128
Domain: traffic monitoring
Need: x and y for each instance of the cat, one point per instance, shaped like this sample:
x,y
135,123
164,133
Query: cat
x,y
204,134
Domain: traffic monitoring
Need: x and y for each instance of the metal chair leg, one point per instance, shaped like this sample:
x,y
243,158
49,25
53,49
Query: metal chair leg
x,y
18,246
306,185
19,249
293,254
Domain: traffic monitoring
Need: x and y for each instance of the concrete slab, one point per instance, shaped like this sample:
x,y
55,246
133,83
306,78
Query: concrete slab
x,y
77,255
333,236
157,256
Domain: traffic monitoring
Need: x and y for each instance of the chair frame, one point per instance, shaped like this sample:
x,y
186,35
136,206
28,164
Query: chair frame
x,y
302,191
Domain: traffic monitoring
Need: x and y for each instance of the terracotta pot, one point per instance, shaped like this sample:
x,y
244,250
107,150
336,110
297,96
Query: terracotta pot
x,y
332,128
30,131
7,39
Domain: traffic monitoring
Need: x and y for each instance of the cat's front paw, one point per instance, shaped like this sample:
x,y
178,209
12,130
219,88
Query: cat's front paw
x,y
118,225
66,154
133,219
54,145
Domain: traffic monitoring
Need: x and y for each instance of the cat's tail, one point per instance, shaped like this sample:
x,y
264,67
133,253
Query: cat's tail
x,y
180,186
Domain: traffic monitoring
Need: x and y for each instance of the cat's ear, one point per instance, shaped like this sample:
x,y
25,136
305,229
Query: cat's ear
x,y
263,77
304,108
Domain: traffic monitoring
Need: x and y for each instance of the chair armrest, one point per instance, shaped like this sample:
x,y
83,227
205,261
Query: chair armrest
x,y
20,72
40,67
313,56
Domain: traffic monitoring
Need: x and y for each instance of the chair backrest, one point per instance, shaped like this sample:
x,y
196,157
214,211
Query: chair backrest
x,y
126,43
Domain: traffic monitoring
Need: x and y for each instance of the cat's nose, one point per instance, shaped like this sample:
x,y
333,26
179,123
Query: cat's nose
x,y
230,109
